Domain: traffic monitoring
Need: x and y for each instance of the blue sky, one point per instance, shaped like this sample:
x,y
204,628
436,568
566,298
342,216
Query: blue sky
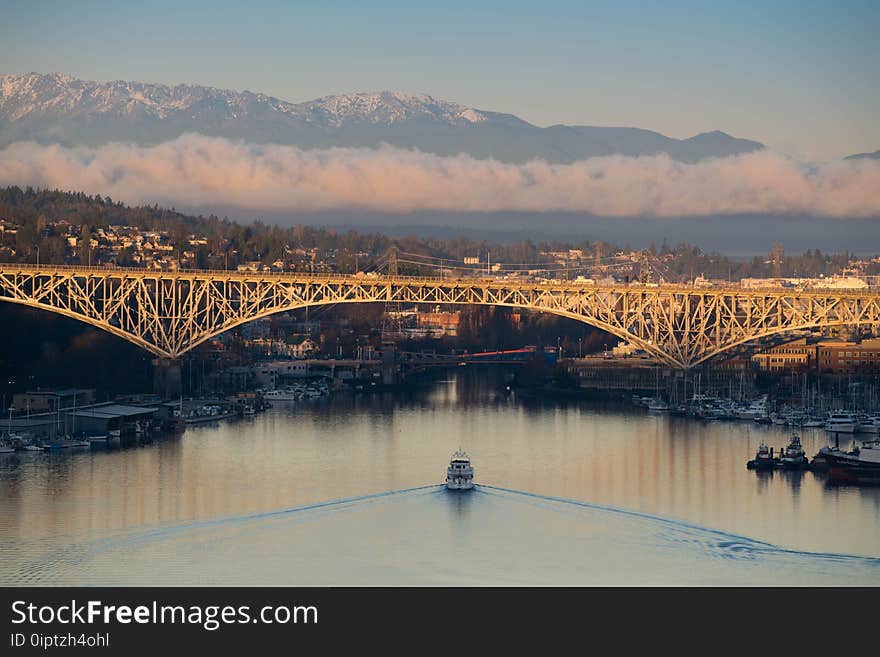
x,y
801,77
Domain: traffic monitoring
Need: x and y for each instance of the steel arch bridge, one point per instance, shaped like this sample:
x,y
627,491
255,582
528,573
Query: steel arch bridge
x,y
169,313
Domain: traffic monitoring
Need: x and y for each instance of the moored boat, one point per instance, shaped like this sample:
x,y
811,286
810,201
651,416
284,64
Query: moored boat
x,y
657,405
755,411
841,422
764,459
793,456
869,424
859,466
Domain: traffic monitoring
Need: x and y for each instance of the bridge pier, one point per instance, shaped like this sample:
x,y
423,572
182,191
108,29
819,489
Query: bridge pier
x,y
167,381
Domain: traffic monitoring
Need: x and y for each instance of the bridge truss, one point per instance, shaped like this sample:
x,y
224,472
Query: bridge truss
x,y
169,313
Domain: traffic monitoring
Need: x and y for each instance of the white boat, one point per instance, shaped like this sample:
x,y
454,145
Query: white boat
x,y
755,411
657,405
460,473
284,394
840,422
779,418
6,448
869,424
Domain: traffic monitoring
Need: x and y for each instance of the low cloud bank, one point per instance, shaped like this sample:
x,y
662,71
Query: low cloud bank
x,y
196,171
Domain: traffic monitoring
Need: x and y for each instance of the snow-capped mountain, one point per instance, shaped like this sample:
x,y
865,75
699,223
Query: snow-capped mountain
x,y
58,108
385,108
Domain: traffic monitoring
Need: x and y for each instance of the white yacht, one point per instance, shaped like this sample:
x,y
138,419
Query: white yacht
x,y
657,405
841,422
757,410
460,473
284,394
869,424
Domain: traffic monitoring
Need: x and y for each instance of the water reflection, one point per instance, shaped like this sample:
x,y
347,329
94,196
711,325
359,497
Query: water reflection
x,y
299,454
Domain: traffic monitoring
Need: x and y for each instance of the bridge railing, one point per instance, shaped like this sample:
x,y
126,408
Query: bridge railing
x,y
367,278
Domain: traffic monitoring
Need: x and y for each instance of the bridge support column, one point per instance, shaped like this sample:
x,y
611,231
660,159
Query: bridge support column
x,y
167,380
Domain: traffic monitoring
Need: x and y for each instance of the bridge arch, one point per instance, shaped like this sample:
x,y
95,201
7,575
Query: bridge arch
x,y
647,346
170,313
104,326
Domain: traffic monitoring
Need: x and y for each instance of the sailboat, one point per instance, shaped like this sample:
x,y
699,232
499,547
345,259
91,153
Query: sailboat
x,y
657,405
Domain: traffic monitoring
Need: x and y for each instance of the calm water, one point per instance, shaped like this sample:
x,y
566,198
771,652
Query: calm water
x,y
346,492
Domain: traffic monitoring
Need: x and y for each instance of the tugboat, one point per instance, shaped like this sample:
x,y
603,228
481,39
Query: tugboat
x,y
764,459
793,457
460,474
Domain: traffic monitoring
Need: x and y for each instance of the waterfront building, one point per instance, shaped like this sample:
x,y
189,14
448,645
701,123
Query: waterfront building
x,y
107,417
830,356
271,373
37,401
794,355
845,356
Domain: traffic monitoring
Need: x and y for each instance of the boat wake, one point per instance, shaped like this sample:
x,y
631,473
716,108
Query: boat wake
x,y
428,535
713,542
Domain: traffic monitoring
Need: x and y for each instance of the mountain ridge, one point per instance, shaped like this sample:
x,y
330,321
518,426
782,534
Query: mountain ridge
x,y
59,108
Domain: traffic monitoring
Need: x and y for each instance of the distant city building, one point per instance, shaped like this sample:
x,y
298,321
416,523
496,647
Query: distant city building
x,y
840,356
835,356
439,323
304,348
794,355
840,283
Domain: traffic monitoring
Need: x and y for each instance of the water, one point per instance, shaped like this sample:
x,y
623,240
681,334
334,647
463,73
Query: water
x,y
347,491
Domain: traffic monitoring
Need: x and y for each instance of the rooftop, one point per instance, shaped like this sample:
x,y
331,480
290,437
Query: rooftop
x,y
108,411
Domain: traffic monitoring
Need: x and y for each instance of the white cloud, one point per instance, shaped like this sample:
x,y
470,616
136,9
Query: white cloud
x,y
196,171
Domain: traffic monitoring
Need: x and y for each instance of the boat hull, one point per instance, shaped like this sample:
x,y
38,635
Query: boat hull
x,y
841,428
850,474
